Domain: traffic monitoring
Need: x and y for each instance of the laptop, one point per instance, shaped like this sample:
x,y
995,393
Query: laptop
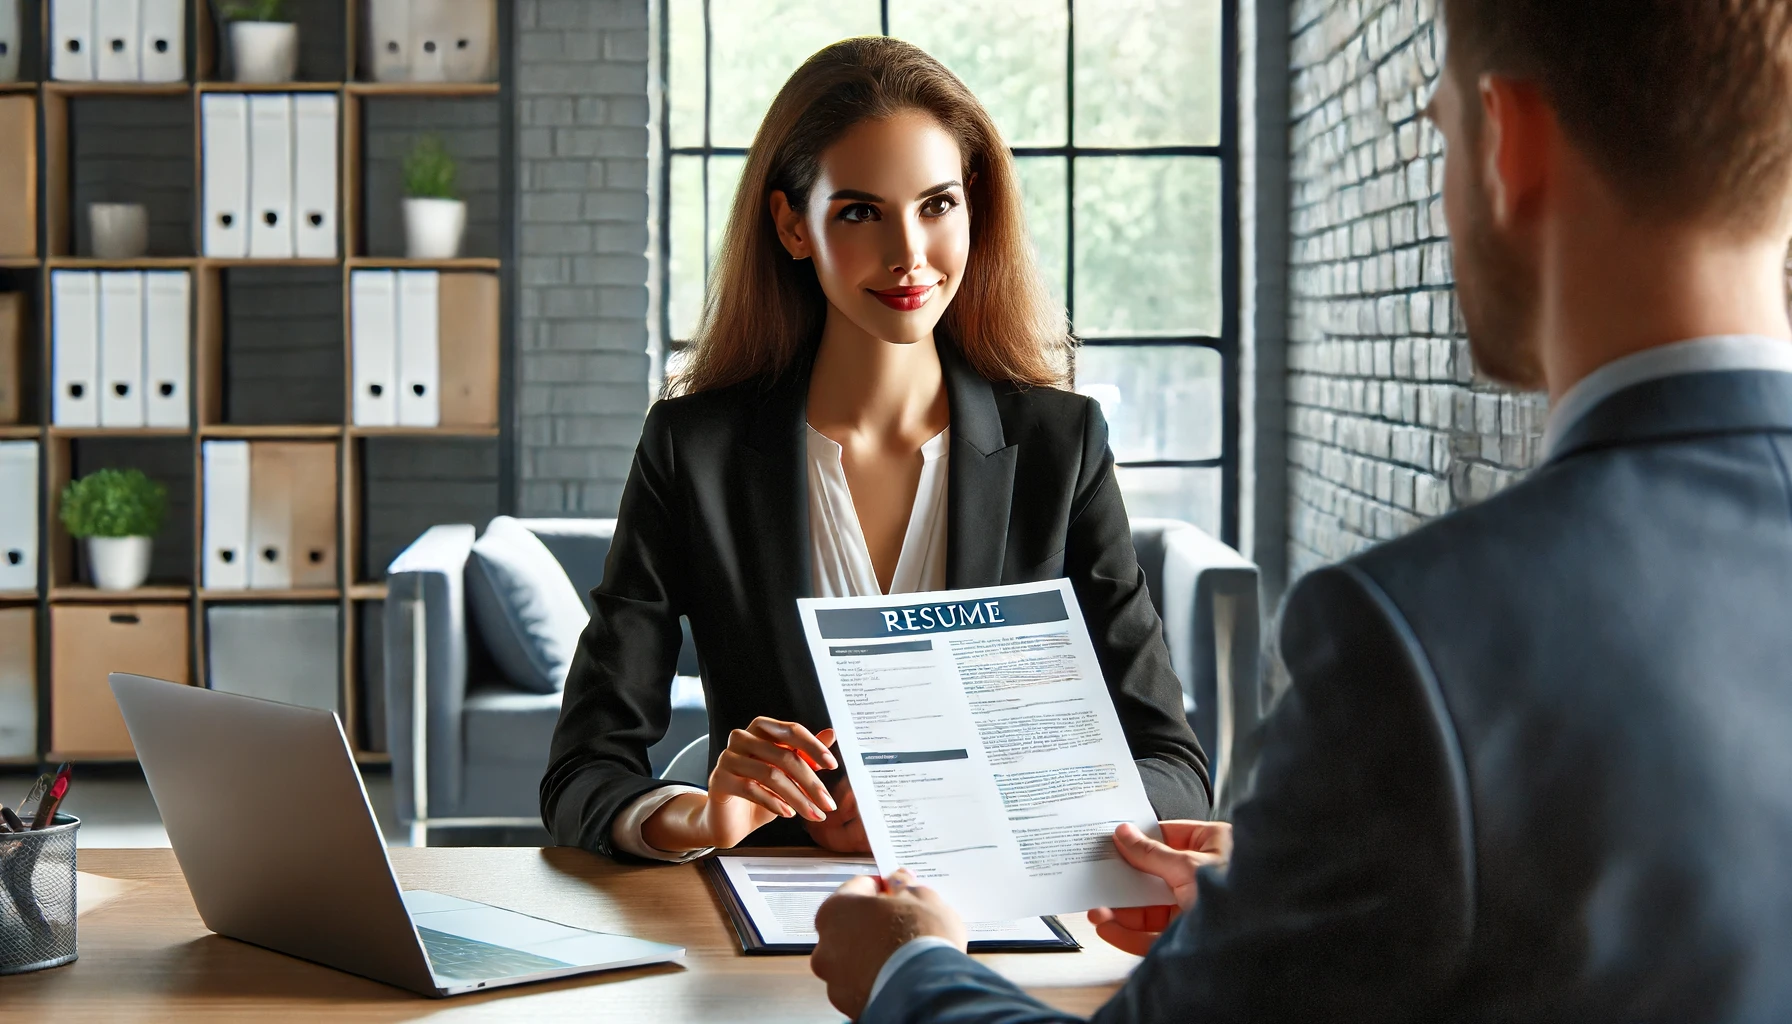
x,y
267,815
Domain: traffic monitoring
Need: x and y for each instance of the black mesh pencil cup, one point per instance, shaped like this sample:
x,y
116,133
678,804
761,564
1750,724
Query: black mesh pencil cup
x,y
37,897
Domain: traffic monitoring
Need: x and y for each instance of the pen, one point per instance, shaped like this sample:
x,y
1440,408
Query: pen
x,y
46,811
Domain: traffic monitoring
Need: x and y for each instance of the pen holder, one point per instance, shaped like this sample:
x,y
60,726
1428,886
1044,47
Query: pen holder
x,y
37,897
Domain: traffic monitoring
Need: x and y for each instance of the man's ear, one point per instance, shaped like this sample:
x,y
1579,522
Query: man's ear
x,y
1518,139
790,227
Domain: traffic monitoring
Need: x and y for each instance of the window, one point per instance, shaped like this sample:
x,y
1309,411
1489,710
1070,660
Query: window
x,y
1121,115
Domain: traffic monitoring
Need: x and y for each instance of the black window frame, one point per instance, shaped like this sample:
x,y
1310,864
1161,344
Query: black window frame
x,y
1226,152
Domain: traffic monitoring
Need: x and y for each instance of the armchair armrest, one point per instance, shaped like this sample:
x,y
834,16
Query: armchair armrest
x,y
1212,626
426,627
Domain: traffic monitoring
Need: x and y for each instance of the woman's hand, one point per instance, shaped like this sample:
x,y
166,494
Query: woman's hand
x,y
844,831
768,771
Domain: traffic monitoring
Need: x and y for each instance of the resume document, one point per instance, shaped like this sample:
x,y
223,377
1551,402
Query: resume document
x,y
983,747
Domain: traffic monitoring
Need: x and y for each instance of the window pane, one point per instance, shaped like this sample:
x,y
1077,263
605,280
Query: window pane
x,y
1191,495
724,178
755,46
685,267
1043,186
1147,72
1147,246
1010,52
1162,403
684,78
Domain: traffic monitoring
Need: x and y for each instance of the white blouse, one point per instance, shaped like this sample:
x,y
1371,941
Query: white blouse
x,y
839,566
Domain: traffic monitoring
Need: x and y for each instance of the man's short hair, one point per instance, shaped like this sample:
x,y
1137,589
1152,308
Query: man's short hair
x,y
1685,106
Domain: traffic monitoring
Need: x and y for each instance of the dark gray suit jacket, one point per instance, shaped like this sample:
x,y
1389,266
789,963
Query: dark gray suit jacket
x,y
1535,763
714,525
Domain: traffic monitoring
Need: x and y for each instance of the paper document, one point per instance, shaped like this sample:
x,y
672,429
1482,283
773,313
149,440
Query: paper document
x,y
983,747
782,894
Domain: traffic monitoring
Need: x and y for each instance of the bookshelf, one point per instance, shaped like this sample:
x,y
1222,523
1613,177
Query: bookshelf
x,y
75,137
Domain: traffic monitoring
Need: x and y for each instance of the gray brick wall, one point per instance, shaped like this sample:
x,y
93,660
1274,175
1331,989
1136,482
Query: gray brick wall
x,y
1389,423
582,365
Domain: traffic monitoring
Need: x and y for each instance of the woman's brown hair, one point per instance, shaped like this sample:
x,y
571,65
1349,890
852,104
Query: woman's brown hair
x,y
764,308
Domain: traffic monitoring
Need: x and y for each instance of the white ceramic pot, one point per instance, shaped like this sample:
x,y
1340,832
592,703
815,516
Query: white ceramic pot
x,y
433,228
118,563
120,230
264,51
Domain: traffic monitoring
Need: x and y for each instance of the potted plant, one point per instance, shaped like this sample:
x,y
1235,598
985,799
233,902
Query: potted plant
x,y
264,43
434,219
117,511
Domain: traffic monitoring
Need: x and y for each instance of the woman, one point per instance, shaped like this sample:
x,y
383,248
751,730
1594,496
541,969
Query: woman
x,y
874,405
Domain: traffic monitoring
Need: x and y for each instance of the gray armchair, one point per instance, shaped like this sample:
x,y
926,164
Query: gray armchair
x,y
483,742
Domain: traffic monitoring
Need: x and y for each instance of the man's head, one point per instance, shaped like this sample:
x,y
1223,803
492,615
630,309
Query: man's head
x,y
1673,114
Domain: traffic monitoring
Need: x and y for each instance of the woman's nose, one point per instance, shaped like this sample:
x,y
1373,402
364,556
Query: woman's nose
x,y
911,252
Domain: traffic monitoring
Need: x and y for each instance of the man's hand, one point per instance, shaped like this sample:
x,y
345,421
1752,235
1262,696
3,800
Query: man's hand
x,y
1188,846
860,927
844,829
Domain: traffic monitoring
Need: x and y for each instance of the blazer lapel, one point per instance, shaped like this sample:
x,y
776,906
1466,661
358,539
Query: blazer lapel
x,y
979,477
775,497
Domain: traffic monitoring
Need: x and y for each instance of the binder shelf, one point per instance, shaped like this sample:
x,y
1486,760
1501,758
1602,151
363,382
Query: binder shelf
x,y
254,340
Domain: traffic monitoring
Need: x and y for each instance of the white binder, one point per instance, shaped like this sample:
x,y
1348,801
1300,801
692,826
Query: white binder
x,y
71,40
389,39
270,519
419,349
164,41
314,175
373,321
121,349
226,465
11,36
166,312
74,348
18,515
225,148
432,30
472,30
270,176
117,35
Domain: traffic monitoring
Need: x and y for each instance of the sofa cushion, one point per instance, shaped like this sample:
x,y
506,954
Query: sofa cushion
x,y
526,610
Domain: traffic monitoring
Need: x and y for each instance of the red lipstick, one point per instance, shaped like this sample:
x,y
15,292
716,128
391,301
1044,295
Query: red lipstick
x,y
908,298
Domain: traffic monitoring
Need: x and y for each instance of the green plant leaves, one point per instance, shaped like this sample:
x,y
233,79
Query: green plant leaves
x,y
257,10
114,503
429,171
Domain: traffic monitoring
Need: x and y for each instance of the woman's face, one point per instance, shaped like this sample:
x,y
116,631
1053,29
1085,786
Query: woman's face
x,y
887,225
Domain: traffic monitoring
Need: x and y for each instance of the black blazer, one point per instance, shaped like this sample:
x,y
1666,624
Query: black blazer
x,y
1535,763
714,526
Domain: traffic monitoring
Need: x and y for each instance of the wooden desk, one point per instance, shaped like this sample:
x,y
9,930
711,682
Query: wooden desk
x,y
146,956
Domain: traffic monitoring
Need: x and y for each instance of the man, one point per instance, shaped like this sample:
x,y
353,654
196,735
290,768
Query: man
x,y
1535,763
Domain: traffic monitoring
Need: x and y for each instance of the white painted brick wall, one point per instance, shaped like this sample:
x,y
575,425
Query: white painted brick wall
x,y
1388,422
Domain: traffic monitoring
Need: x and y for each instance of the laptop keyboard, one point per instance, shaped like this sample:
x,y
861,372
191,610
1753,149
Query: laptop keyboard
x,y
471,960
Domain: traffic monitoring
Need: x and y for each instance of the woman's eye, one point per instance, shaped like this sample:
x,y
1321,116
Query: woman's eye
x,y
938,206
859,213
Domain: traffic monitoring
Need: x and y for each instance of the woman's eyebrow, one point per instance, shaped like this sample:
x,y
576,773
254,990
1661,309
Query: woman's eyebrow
x,y
868,197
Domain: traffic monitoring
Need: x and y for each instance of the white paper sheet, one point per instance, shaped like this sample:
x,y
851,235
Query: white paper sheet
x,y
781,895
983,747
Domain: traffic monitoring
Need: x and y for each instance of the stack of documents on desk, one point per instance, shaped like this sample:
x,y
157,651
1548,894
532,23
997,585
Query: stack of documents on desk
x,y
983,747
772,900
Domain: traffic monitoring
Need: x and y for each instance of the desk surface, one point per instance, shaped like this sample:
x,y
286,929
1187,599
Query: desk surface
x,y
145,955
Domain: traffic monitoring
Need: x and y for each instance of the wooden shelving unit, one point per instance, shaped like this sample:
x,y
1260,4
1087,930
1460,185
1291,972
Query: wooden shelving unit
x,y
60,448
